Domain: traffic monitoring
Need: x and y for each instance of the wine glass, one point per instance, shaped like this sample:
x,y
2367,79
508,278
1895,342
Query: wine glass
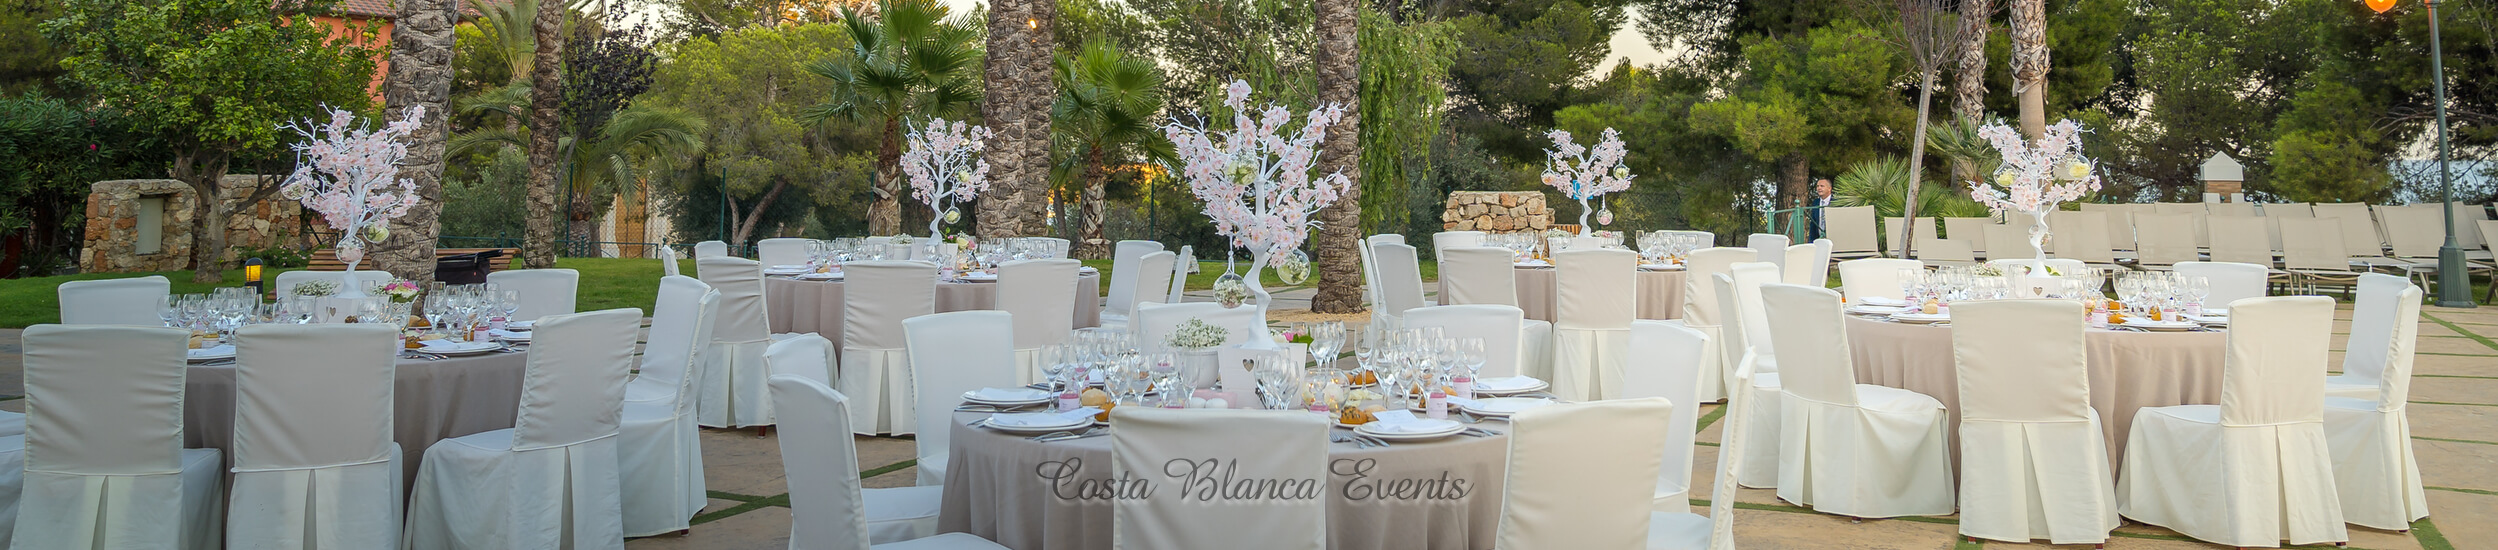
x,y
169,308
509,302
1471,355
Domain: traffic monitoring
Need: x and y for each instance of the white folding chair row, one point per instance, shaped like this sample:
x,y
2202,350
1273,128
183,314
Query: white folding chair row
x,y
1972,231
1893,229
2312,252
2194,211
1851,232
2083,236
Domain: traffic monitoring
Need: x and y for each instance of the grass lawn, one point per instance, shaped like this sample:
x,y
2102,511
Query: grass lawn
x,y
606,283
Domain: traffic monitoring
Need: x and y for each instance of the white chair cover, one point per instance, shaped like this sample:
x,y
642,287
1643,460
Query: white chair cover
x,y
875,367
550,481
828,510
1701,312
543,292
782,251
1874,277
1124,273
731,393
1444,240
104,463
1484,275
1747,331
129,301
1846,448
12,459
1284,446
2374,470
2384,330
806,356
1153,280
1058,247
1798,267
708,249
1400,283
658,445
1244,325
2230,282
1370,267
1665,362
1039,293
1851,231
2033,459
667,261
1180,267
1673,526
1771,247
2255,469
285,284
1571,486
1592,316
953,354
1820,274
1497,325
314,466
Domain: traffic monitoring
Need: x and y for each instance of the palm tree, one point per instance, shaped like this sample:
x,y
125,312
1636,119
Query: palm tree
x,y
1340,231
636,142
1022,34
422,44
907,62
2029,63
546,76
1106,106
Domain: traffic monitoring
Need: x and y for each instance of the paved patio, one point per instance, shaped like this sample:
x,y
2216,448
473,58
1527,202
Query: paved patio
x,y
2454,420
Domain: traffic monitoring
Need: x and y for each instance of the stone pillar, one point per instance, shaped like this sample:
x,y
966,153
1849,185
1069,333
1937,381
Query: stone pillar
x,y
1496,211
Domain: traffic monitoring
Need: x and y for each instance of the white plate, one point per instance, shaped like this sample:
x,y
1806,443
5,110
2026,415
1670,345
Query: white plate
x,y
819,276
1509,385
2220,321
1531,263
980,277
1871,309
1920,318
212,354
1034,397
1427,428
1505,406
1036,428
460,348
1880,301
2163,326
1661,267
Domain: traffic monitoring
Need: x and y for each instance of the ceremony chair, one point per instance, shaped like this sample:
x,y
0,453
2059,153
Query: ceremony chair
x,y
1702,312
1485,276
782,251
806,356
1874,277
1039,293
1444,240
2229,281
2374,471
708,249
827,508
1798,268
730,392
314,464
1856,450
1497,325
1571,486
2384,330
1594,305
1672,526
2033,458
1772,248
667,256
1276,445
1400,284
129,301
1370,268
543,292
1124,274
875,367
953,354
550,481
1665,362
658,445
104,465
1747,331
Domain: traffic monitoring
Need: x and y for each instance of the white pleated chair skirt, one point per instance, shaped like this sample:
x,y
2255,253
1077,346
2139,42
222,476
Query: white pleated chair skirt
x,y
665,450
2181,473
2023,481
526,495
12,482
1535,349
1888,457
134,507
878,383
1587,364
1760,459
901,513
1028,366
1712,386
732,392
326,507
2374,471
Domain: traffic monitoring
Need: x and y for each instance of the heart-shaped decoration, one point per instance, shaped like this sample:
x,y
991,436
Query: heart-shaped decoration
x,y
2381,5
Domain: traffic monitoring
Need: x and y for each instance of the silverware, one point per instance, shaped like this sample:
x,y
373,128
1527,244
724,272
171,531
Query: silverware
x,y
214,363
1381,443
1093,432
1357,442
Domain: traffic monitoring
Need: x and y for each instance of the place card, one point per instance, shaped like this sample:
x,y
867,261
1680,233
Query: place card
x,y
1455,401
1080,413
1396,417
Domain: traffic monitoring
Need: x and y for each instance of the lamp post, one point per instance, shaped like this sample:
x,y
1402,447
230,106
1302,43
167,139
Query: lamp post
x,y
2454,285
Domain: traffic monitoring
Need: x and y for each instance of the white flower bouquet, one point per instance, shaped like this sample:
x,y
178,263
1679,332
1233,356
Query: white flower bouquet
x,y
1196,334
316,288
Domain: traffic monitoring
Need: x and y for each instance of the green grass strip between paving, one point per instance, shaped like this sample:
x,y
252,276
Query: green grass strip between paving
x,y
2471,441
2461,490
2484,340
2428,535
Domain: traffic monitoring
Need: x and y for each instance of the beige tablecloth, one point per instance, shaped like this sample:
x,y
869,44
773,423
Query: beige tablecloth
x,y
993,489
432,401
2128,370
816,306
1660,293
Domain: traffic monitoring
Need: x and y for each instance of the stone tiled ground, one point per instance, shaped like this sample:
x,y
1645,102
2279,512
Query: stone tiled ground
x,y
2454,424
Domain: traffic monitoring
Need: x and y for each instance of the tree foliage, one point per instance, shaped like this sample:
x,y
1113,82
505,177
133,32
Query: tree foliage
x,y
752,87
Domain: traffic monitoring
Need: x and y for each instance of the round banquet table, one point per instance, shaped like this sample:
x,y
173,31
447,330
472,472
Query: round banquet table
x,y
992,489
2128,370
1660,292
432,400
816,306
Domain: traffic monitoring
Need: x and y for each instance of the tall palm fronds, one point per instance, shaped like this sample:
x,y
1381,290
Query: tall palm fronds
x,y
1107,103
1883,182
907,61
507,27
1970,155
637,142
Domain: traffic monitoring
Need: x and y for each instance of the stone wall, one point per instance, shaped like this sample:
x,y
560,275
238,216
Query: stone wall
x,y
112,233
1496,211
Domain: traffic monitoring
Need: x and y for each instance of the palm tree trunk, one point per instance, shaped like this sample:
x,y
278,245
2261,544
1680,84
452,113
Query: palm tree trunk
x,y
1020,89
1090,245
2029,63
420,77
884,213
1340,231
1969,89
546,74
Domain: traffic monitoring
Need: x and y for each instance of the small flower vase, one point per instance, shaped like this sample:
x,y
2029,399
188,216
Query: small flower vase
x,y
1198,366
352,252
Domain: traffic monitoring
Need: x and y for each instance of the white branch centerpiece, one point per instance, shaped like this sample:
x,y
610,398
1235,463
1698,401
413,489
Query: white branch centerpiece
x,y
1584,174
348,171
2035,177
1255,178
945,167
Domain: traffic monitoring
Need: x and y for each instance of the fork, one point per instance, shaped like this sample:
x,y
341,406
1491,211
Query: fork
x,y
1348,438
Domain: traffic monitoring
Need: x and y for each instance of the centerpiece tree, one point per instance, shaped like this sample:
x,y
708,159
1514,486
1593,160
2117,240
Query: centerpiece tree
x,y
1255,179
945,167
349,173
2035,177
1583,174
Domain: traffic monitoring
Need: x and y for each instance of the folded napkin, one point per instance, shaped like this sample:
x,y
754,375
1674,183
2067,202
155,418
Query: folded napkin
x,y
789,269
2209,319
819,276
1507,383
1010,394
1531,263
448,345
506,334
1881,301
216,351
1032,419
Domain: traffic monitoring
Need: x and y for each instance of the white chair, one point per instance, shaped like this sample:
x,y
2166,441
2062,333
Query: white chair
x,y
543,292
1057,247
1180,267
1595,301
1845,448
1268,445
1893,229
658,445
2194,212
1701,312
2374,471
12,459
667,256
129,301
1039,293
2033,458
104,463
708,249
284,286
1485,276
1444,240
550,481
1772,248
2416,235
783,251
1400,279
1821,262
2312,251
1665,362
1672,526
953,354
875,366
2255,469
1241,325
1747,331
1156,273
1945,252
1969,230
1798,269
2241,239
2083,236
2165,240
2119,229
2008,242
731,392
1124,273
1497,325
1851,231
1571,486
1370,267
2229,281
827,509
313,402
808,356
2384,330
1875,277
2357,230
